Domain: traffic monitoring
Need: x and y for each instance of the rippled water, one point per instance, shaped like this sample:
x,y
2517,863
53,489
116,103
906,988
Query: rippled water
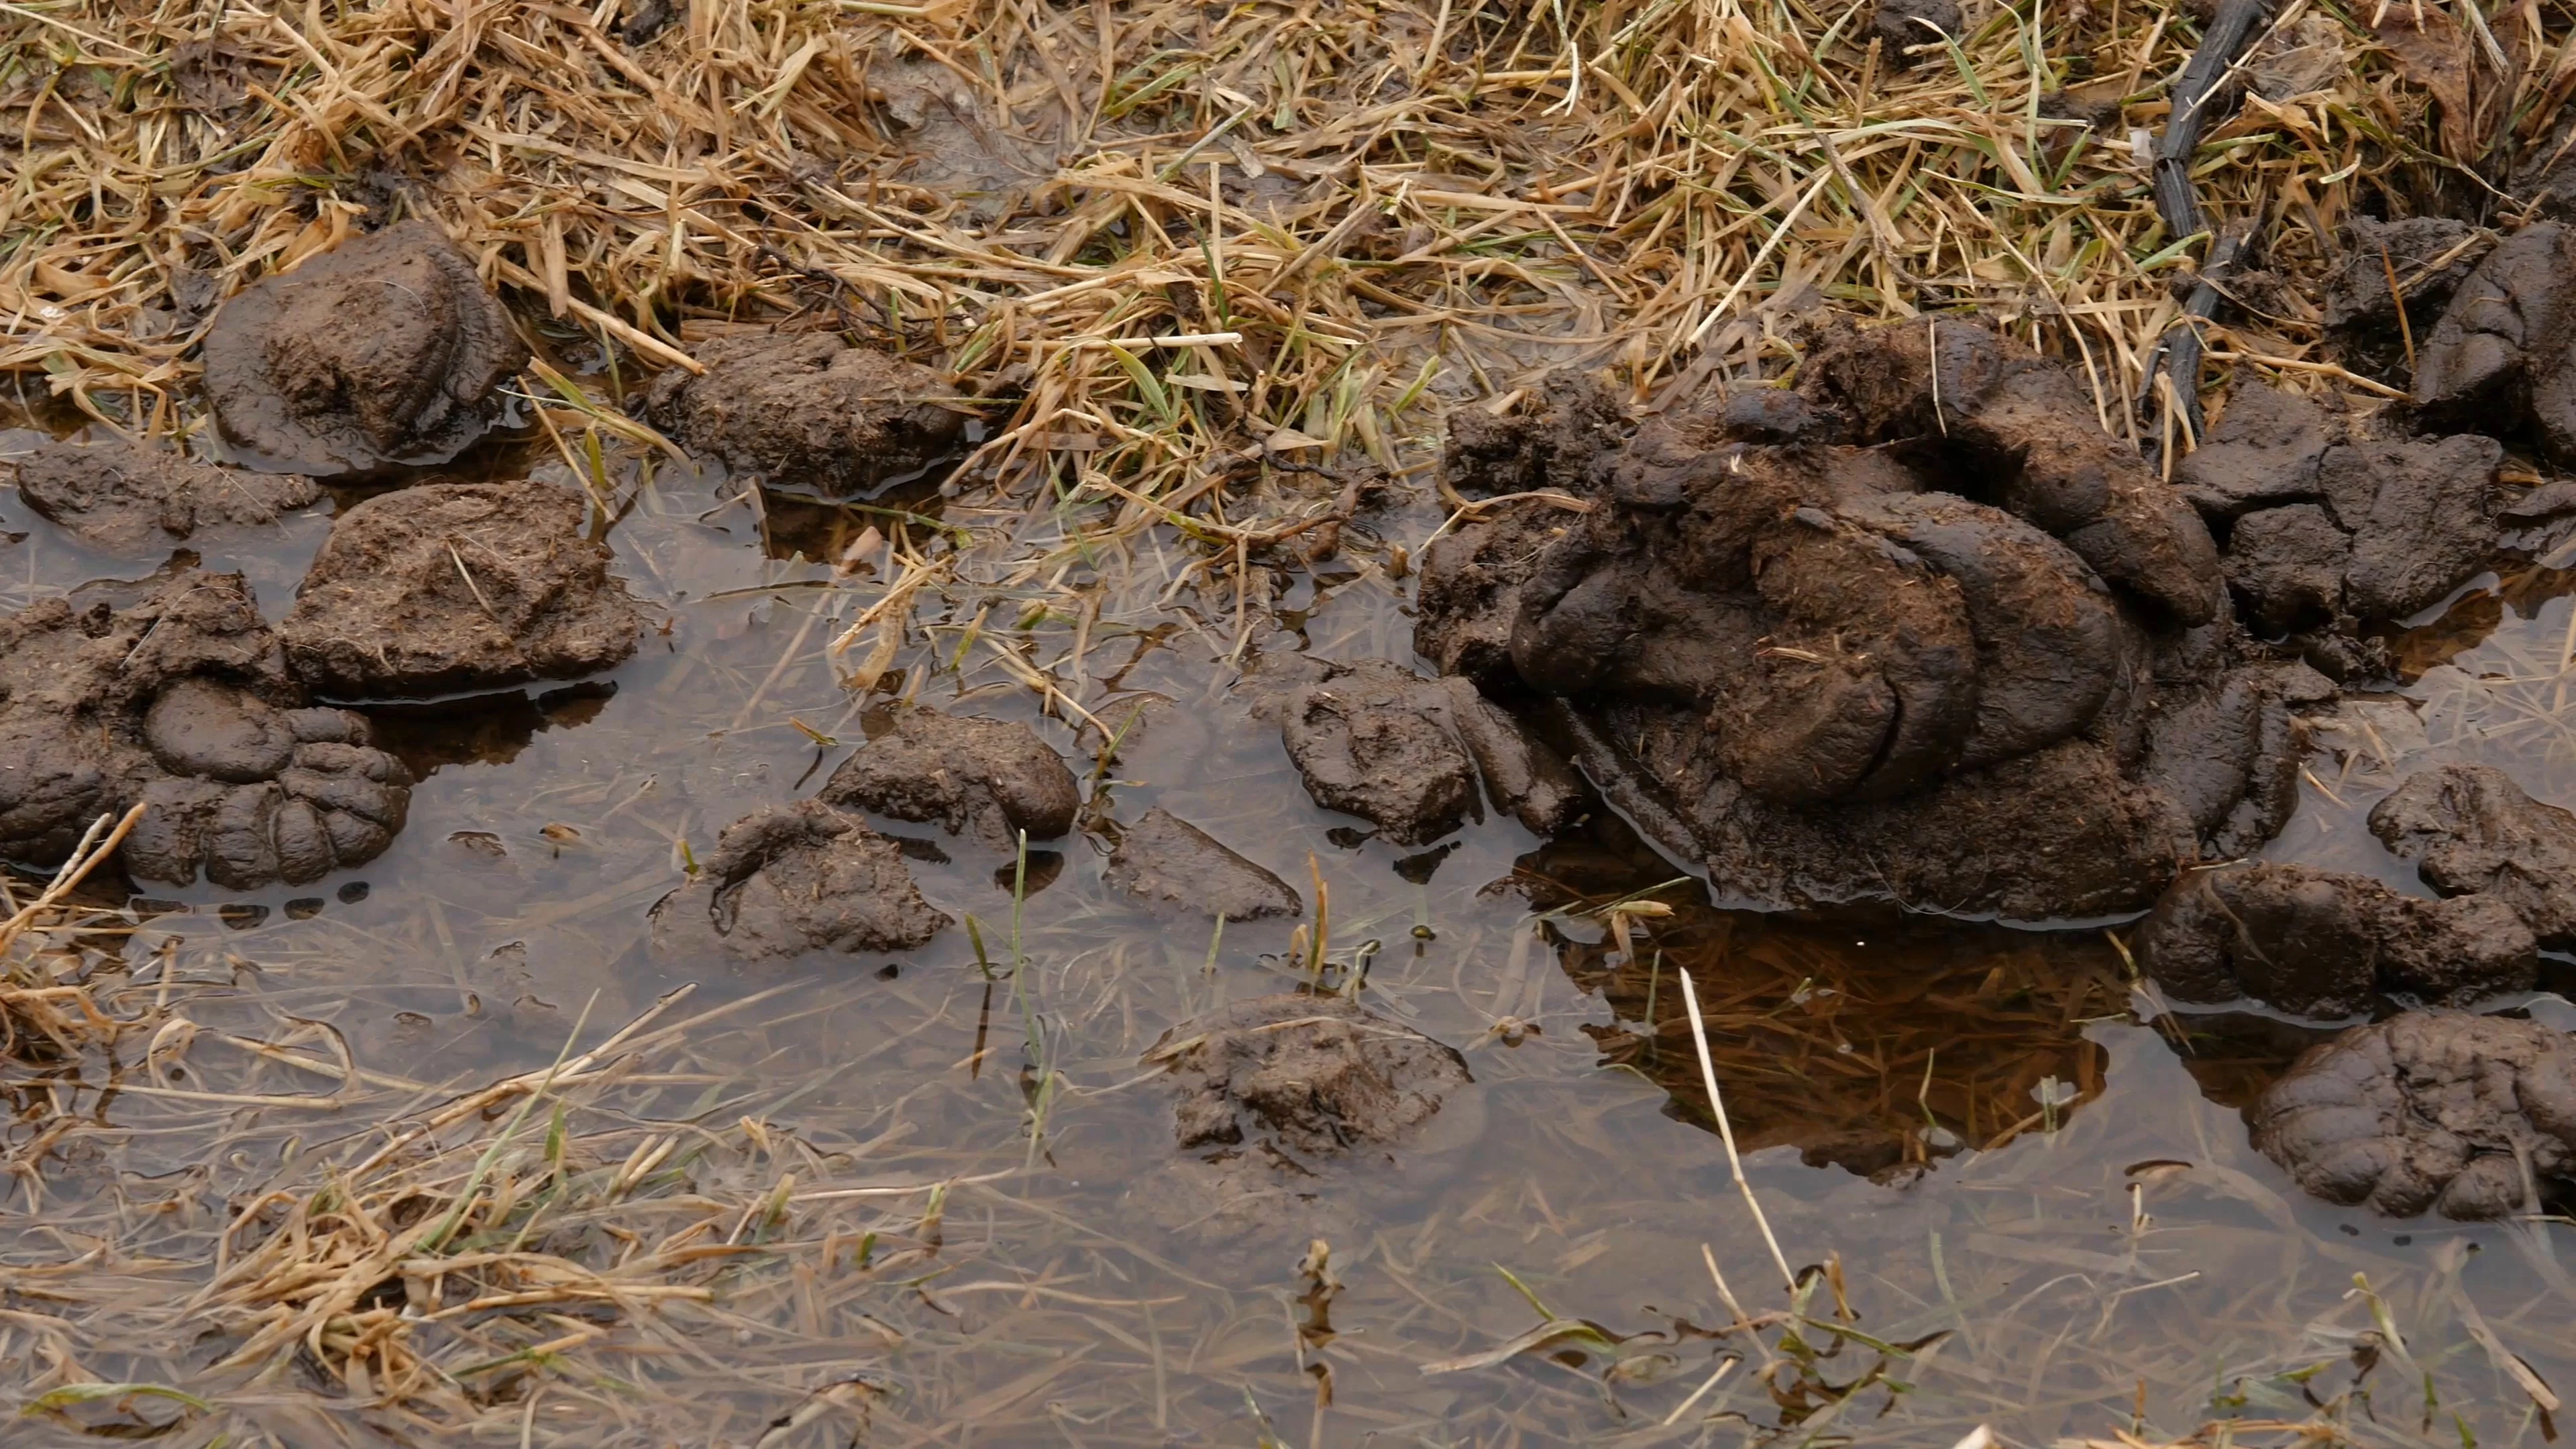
x,y
2042,1194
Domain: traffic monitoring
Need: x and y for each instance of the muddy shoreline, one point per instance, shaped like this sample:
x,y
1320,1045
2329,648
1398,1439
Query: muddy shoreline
x,y
1144,726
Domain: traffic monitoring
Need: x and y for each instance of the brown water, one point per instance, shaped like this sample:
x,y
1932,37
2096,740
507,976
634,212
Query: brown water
x,y
2046,1196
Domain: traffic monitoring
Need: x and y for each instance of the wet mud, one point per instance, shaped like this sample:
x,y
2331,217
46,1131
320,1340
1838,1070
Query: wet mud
x,y
2428,257
1901,27
1289,1082
1407,754
2501,352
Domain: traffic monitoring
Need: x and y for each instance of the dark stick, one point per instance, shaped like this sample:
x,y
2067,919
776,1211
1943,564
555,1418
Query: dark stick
x,y
2193,92
2197,93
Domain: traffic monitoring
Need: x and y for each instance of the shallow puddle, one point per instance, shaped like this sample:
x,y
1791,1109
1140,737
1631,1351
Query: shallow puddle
x,y
2028,1194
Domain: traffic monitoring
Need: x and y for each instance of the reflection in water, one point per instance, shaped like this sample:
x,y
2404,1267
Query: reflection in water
x,y
486,729
1875,1041
1874,1047
2234,1055
2521,591
823,531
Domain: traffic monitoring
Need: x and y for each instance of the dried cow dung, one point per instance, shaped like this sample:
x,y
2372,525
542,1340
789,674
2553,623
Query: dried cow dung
x,y
459,586
806,411
2320,528
2462,1115
1175,868
2504,353
2427,256
1372,738
1291,1081
1902,25
798,878
1919,630
183,702
132,498
2325,944
986,780
2471,830
383,351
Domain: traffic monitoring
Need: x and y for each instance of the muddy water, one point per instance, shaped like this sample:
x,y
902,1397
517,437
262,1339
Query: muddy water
x,y
2022,1177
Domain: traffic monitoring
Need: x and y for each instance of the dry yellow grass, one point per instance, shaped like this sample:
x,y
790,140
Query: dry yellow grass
x,y
1385,202
442,1267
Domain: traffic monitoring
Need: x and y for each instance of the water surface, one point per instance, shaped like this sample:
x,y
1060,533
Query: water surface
x,y
2028,1190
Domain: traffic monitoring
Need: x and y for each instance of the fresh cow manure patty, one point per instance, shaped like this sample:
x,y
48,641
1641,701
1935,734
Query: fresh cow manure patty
x,y
183,702
131,498
2472,1117
1918,630
385,351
